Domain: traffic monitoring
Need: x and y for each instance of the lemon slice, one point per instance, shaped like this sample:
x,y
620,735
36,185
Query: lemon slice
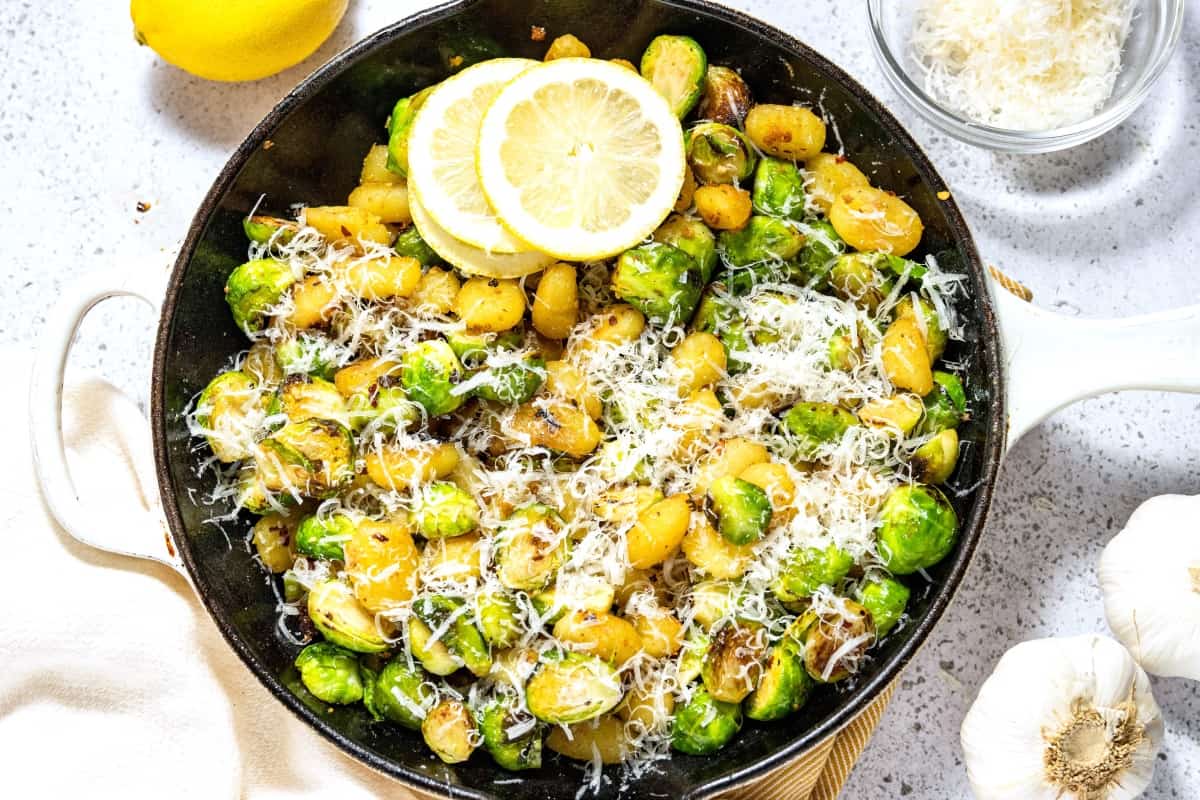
x,y
581,158
471,260
442,146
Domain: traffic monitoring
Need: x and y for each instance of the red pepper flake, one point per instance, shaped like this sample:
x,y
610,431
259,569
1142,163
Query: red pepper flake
x,y
840,159
537,33
142,206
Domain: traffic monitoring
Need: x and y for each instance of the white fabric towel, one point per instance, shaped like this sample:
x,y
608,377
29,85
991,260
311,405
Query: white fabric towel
x,y
114,682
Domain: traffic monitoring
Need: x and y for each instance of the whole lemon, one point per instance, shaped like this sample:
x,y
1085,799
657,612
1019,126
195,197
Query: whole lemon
x,y
235,40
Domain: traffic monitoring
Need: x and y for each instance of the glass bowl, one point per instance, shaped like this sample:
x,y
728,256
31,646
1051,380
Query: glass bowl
x,y
1154,33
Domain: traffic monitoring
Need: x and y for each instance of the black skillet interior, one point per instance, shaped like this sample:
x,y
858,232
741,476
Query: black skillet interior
x,y
309,150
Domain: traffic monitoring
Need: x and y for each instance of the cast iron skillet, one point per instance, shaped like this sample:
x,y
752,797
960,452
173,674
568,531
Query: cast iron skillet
x,y
309,149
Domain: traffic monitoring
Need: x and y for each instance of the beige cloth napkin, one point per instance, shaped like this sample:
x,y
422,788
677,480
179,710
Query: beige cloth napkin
x,y
115,683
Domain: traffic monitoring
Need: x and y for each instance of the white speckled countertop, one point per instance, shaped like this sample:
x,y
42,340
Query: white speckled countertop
x,y
90,124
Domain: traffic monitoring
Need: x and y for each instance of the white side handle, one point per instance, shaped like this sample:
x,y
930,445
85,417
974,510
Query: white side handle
x,y
92,526
1052,360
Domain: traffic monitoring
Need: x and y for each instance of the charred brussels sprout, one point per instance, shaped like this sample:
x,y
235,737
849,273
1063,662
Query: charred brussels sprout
x,y
330,673
444,510
513,384
854,277
302,397
530,548
734,661
946,405
693,237
409,243
808,569
429,373
834,641
253,288
785,684
813,425
705,724
450,732
717,315
269,230
675,66
917,529
462,638
778,189
254,496
885,599
340,619
572,687
399,127
319,537
308,355
224,409
314,457
719,153
497,615
743,510
402,694
763,239
661,281
934,461
499,717
726,98
433,654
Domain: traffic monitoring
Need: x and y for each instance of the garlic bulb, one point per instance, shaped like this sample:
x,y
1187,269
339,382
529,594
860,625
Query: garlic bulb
x,y
1150,577
1063,719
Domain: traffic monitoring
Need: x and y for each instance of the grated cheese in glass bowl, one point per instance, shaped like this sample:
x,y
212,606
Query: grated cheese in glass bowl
x,y
1025,76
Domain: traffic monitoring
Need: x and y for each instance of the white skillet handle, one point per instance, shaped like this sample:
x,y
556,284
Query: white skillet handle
x,y
92,526
1052,360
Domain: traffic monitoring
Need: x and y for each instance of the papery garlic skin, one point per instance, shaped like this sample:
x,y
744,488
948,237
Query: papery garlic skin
x,y
1150,577
1035,692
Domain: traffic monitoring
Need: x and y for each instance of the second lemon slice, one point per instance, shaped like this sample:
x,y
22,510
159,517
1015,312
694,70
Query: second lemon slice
x,y
442,147
581,158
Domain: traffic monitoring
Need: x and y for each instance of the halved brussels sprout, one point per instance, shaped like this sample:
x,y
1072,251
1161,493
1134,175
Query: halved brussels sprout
x,y
274,538
835,641
946,405
472,349
779,189
844,353
572,687
704,725
726,98
461,636
385,404
675,66
269,230
513,384
735,660
301,397
498,617
712,601
434,655
661,281
410,243
429,372
340,619
785,684
719,153
808,569
308,354
402,693
255,287
399,127
523,751
917,529
934,461
813,425
885,598
854,277
717,315
743,510
449,731
314,457
225,409
822,246
254,496
763,239
322,537
691,657
693,237
330,673
530,548
444,510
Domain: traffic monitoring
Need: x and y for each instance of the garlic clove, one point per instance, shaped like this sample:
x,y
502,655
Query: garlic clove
x,y
1150,577
1063,718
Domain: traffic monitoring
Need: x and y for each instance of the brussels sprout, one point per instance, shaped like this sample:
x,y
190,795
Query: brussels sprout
x,y
719,153
513,384
572,687
402,693
931,324
691,657
429,372
675,66
314,458
409,243
444,510
497,718
813,425
808,569
400,126
472,349
225,408
293,589
854,277
843,351
712,601
717,315
530,548
461,636
661,281
309,355
693,237
433,654
743,510
946,405
705,724
255,287
734,662
763,239
934,461
450,732
835,641
785,684
548,605
385,404
822,246
917,529
319,537
274,541
726,98
340,619
254,496
330,673
301,397
778,189
269,230
885,599
498,617
741,281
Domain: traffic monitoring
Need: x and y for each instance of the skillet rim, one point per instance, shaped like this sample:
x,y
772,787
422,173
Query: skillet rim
x,y
855,701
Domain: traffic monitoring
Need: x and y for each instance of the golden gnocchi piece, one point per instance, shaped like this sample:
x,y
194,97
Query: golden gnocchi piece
x,y
388,201
712,553
398,468
490,305
581,741
313,301
790,132
556,302
658,531
384,278
567,46
906,357
437,291
698,361
872,219
347,224
723,206
557,425
603,635
381,562
832,175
